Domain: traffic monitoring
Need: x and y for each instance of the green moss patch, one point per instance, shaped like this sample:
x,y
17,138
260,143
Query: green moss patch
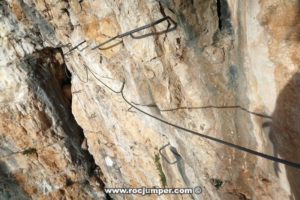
x,y
216,182
162,175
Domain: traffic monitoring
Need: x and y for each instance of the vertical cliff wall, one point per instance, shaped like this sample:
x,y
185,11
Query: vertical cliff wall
x,y
226,69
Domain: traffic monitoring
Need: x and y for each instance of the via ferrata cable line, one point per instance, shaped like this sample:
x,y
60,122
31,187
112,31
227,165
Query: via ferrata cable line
x,y
133,105
238,147
231,145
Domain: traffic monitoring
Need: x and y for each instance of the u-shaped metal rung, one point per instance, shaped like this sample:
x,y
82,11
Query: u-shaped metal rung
x,y
76,47
167,18
164,157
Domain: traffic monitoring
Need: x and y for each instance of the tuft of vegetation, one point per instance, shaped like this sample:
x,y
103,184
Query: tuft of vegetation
x,y
162,175
216,182
29,151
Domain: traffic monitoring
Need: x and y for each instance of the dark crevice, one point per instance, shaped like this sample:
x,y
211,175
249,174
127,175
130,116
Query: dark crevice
x,y
93,169
108,197
50,80
224,17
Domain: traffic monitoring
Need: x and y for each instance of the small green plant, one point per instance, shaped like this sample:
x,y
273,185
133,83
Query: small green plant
x,y
29,151
162,175
216,182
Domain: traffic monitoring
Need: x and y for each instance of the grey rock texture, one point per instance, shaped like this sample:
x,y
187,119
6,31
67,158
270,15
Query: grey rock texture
x,y
229,70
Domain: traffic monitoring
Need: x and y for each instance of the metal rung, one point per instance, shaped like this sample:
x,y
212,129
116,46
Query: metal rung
x,y
167,18
164,157
76,47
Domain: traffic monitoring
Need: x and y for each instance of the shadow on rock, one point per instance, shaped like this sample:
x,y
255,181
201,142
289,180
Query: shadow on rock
x,y
9,188
285,130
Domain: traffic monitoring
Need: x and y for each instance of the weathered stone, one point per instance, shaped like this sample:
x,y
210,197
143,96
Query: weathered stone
x,y
234,63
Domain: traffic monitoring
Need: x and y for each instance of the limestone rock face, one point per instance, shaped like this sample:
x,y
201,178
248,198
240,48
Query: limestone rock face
x,y
76,120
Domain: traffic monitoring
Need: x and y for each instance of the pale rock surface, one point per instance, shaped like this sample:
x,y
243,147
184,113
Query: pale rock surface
x,y
234,57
